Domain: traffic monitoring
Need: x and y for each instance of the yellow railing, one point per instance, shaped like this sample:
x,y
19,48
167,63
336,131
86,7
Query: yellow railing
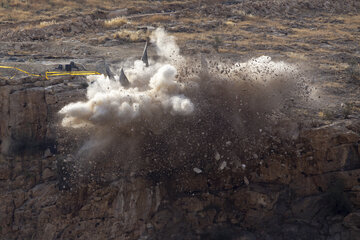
x,y
51,74
30,74
73,73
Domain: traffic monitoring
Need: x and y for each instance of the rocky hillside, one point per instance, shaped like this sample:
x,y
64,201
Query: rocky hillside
x,y
300,182
309,191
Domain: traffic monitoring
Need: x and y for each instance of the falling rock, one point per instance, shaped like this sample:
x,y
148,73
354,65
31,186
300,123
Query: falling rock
x,y
47,153
246,181
217,156
222,165
144,57
108,71
123,79
104,68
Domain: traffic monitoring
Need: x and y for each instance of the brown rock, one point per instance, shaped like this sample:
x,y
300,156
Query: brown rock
x,y
334,149
48,174
27,118
118,13
352,221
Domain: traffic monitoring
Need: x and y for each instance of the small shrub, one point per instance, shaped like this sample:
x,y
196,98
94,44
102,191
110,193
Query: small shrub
x,y
157,18
347,109
230,23
354,71
217,43
131,36
45,24
115,22
327,114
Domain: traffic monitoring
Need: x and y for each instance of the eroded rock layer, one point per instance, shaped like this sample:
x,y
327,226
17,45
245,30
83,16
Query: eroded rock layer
x,y
308,190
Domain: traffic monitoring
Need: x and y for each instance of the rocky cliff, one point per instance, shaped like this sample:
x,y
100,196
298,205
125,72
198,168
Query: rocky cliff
x,y
309,189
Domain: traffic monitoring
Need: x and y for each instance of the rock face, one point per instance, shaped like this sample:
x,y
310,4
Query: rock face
x,y
312,192
25,121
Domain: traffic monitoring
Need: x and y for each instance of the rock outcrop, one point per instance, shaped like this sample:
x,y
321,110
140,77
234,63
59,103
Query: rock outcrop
x,y
312,191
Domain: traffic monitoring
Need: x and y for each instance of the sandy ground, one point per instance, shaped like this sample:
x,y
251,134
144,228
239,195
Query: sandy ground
x,y
321,37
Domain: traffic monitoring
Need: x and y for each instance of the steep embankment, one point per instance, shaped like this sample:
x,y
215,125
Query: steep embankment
x,y
306,190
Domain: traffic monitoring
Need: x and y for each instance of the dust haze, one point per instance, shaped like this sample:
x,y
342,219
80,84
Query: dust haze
x,y
181,114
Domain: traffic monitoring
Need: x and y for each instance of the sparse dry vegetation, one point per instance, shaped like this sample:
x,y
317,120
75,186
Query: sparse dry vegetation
x,y
103,39
44,10
289,171
46,23
157,19
115,22
33,26
130,36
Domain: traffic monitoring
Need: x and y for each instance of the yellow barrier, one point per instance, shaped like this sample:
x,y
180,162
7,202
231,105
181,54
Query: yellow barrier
x,y
30,74
50,74
75,73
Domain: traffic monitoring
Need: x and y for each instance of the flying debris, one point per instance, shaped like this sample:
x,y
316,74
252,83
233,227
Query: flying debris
x,y
204,64
108,71
144,57
123,79
104,68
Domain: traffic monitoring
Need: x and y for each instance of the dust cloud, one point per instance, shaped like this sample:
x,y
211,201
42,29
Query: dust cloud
x,y
154,90
179,116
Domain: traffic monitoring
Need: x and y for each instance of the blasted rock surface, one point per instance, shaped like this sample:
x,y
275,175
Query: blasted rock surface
x,y
313,193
